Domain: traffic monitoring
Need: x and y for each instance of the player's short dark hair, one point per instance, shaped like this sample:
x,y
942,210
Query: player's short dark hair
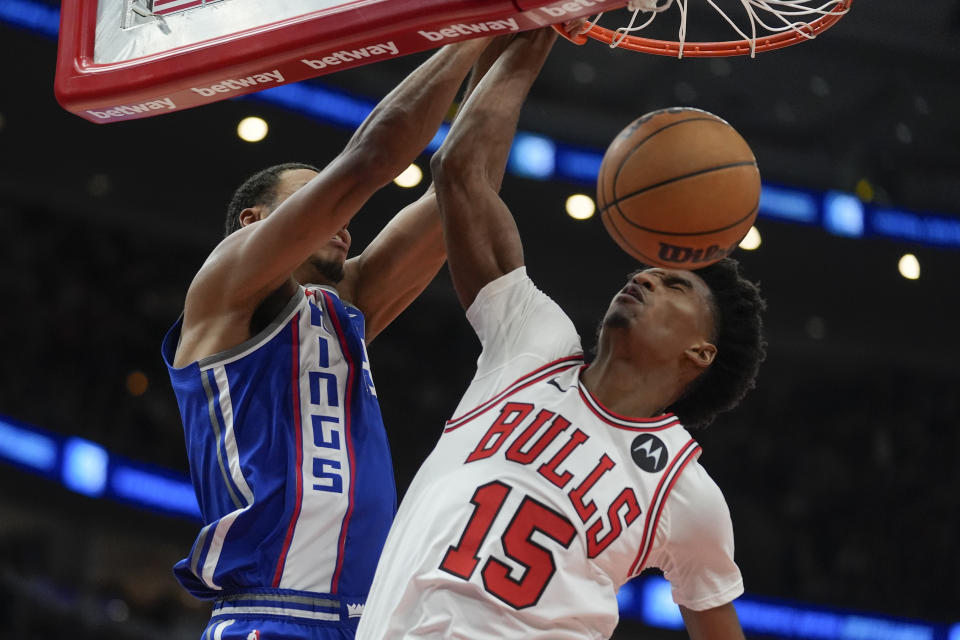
x,y
258,189
738,335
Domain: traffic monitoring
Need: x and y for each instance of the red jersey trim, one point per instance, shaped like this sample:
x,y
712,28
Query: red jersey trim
x,y
295,387
656,423
547,370
348,403
667,482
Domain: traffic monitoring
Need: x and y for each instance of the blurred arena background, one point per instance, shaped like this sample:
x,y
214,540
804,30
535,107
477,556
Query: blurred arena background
x,y
840,469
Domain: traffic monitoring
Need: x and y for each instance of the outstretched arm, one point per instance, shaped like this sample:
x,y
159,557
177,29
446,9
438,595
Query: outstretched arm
x,y
719,623
481,236
257,260
406,255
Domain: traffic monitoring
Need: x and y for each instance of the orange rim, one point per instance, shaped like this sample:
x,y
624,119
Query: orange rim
x,y
717,49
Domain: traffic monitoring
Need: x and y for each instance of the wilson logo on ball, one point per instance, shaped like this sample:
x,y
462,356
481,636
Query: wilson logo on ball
x,y
677,254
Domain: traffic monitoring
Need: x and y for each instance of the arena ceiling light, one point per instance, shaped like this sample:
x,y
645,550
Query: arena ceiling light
x,y
410,177
252,129
752,240
580,206
909,266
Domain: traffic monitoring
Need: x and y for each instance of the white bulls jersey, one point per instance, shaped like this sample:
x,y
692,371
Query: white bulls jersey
x,y
537,503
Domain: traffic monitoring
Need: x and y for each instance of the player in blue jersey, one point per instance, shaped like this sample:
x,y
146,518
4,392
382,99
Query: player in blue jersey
x,y
286,445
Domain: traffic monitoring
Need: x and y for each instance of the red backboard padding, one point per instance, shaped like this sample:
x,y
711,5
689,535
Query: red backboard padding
x,y
325,41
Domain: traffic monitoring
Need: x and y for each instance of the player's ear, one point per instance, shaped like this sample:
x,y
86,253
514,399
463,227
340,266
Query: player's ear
x,y
701,354
252,214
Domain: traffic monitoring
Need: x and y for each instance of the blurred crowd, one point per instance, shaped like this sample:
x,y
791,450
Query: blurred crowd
x,y
843,489
841,478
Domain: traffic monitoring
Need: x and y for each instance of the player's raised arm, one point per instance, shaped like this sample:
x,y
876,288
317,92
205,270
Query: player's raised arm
x,y
479,231
256,260
407,253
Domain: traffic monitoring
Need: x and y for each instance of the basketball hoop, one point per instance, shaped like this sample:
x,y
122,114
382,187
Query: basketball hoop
x,y
786,22
125,59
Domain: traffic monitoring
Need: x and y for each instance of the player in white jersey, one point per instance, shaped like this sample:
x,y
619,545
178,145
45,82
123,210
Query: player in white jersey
x,y
556,481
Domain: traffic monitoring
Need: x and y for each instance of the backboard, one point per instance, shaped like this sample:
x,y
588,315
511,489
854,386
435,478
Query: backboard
x,y
125,59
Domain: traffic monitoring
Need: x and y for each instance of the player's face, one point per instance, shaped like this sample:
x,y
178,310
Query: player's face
x,y
662,312
335,249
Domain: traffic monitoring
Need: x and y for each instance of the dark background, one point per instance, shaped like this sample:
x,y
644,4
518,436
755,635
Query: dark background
x,y
839,469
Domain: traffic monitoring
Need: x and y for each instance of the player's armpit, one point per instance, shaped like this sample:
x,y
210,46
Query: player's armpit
x,y
718,623
395,268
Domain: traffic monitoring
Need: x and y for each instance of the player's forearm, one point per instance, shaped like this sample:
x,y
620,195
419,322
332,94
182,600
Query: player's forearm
x,y
405,121
480,69
483,133
719,623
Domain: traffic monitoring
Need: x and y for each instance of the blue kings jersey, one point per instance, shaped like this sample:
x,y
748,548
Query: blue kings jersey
x,y
289,459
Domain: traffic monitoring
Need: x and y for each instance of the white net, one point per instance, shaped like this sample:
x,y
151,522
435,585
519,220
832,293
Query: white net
x,y
763,18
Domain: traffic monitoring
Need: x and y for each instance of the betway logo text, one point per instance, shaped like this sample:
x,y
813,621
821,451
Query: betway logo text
x,y
352,55
461,29
133,109
235,84
573,6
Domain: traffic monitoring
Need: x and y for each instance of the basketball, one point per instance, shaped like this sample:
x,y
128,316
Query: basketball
x,y
678,188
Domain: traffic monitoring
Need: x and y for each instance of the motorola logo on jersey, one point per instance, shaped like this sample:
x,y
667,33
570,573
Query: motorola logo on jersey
x,y
649,452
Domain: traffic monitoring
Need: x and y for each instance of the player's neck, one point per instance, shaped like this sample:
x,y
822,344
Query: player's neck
x,y
307,274
627,389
